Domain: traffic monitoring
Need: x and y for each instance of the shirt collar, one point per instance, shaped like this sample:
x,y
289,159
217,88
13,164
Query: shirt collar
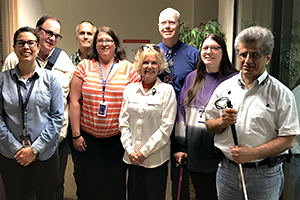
x,y
16,75
174,48
260,80
47,58
140,85
78,54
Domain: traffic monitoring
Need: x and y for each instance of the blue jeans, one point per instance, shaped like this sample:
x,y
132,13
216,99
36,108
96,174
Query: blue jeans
x,y
295,175
261,182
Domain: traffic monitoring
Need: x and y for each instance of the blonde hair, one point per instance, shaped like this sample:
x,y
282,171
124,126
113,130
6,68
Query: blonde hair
x,y
148,50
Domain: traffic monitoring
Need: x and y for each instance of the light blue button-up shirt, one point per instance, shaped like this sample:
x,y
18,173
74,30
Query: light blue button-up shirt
x,y
43,117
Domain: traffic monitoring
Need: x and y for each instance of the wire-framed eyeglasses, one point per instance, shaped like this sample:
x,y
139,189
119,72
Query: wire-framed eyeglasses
x,y
107,41
212,48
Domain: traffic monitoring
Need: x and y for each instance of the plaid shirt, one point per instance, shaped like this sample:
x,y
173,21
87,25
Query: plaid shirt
x,y
75,58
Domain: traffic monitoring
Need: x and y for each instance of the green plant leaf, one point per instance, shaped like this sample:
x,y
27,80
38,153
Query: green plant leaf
x,y
195,36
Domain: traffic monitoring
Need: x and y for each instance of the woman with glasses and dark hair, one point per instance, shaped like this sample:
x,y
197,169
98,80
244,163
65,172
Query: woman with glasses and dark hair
x,y
146,122
31,117
191,137
95,103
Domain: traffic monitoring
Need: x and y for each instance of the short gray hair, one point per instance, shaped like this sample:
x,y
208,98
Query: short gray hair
x,y
262,36
84,21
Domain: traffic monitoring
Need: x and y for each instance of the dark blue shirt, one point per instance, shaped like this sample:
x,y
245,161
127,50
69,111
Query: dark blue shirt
x,y
185,59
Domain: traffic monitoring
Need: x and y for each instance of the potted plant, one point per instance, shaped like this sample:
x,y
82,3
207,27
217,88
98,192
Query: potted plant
x,y
195,36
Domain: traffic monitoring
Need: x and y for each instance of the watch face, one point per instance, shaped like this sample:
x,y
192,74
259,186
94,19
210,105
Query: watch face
x,y
34,151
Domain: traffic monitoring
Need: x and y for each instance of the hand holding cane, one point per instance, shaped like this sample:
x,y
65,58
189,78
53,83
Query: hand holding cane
x,y
180,165
233,130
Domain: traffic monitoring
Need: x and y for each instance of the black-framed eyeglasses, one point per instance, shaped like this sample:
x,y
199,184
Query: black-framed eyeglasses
x,y
107,41
253,55
147,47
30,43
212,48
50,34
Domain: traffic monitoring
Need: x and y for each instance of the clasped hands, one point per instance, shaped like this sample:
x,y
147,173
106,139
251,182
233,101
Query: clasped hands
x,y
25,156
137,158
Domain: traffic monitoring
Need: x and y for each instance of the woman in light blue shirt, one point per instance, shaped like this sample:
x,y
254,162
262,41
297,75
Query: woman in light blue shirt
x,y
31,116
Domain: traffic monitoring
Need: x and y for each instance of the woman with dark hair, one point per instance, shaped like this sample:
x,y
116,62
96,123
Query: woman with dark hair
x,y
31,117
191,137
95,103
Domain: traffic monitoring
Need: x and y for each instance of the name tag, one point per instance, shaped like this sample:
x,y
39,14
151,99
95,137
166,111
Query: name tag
x,y
102,109
201,118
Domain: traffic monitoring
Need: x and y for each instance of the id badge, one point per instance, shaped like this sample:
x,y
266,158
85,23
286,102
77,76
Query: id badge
x,y
201,118
26,141
102,109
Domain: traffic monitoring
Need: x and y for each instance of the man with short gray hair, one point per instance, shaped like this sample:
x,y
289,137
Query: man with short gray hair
x,y
265,116
84,32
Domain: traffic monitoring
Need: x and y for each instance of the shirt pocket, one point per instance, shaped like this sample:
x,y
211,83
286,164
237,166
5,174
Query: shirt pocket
x,y
133,106
43,100
154,108
262,118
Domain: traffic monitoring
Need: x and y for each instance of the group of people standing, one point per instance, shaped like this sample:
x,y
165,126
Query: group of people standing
x,y
120,117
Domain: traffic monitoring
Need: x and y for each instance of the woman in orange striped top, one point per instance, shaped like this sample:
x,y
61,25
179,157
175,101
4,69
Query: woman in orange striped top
x,y
95,103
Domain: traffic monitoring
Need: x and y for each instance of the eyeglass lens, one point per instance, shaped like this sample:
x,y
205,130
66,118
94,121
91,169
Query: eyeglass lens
x,y
50,34
107,41
30,43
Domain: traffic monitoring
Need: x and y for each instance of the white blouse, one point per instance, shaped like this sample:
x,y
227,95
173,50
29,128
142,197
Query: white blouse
x,y
146,122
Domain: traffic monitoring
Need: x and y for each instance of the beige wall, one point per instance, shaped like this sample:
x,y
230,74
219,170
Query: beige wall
x,y
131,19
26,15
226,20
205,10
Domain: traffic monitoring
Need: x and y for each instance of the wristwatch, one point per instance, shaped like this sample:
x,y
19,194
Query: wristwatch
x,y
34,151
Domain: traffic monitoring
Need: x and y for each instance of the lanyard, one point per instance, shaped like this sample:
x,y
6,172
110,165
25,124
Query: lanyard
x,y
22,103
103,80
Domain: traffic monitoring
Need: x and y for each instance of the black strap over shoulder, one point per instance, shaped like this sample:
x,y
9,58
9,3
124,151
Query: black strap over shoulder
x,y
53,58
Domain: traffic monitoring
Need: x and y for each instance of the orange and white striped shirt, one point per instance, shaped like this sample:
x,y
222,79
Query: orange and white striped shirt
x,y
121,74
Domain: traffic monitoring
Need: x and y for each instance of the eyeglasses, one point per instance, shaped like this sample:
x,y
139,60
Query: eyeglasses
x,y
253,55
107,41
212,48
21,43
153,47
50,34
